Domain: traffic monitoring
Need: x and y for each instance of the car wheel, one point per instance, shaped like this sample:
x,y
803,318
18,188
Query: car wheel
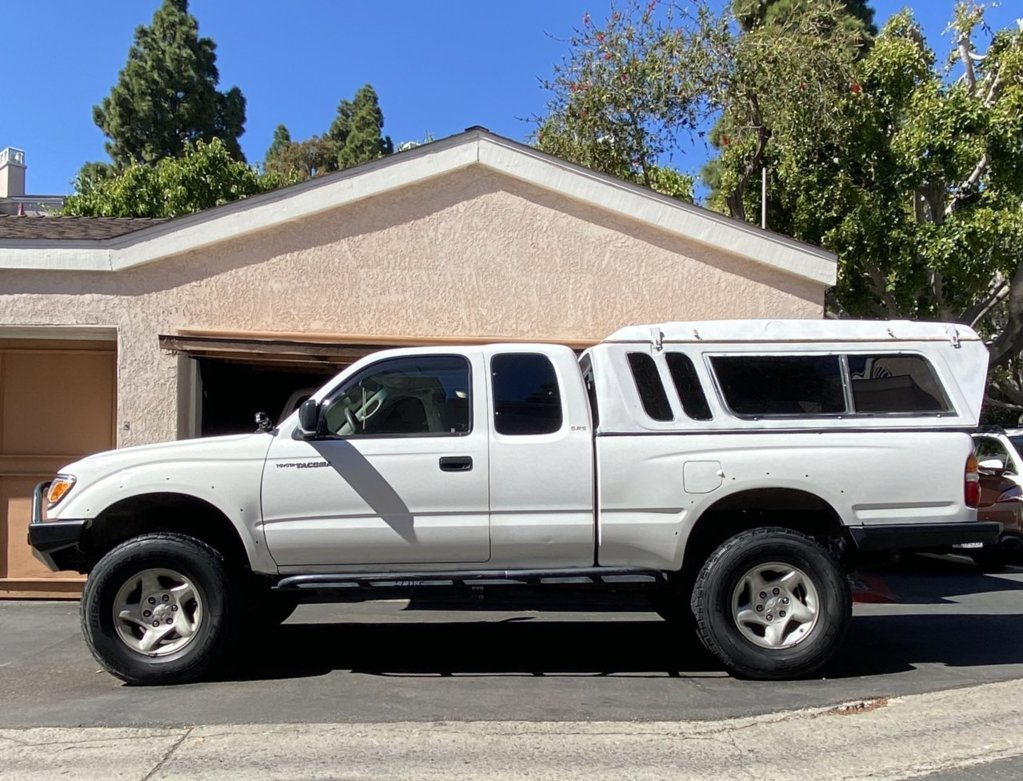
x,y
155,609
771,603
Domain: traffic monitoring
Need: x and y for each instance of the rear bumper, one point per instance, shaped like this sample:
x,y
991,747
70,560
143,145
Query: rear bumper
x,y
923,536
54,543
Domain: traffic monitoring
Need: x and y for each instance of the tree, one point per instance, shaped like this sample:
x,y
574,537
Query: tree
x,y
206,175
629,89
913,179
166,95
358,130
354,137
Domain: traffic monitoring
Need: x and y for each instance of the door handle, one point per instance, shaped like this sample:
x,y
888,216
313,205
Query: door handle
x,y
456,463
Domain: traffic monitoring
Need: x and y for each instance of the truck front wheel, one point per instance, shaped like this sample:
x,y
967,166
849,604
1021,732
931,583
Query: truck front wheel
x,y
155,609
771,603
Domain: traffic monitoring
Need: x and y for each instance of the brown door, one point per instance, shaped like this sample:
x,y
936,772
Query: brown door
x,y
57,404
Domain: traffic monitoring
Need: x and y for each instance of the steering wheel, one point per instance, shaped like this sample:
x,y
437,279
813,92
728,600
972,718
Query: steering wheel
x,y
350,417
373,404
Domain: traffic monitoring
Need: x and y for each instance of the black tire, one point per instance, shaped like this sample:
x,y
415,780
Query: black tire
x,y
175,581
803,618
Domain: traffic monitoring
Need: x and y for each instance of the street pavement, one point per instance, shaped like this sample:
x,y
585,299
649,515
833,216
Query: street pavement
x,y
930,681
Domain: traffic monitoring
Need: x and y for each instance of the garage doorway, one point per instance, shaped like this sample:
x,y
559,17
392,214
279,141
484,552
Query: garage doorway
x,y
233,392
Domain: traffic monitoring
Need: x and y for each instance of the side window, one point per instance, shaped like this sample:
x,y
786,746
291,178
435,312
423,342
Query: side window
x,y
687,383
771,385
651,389
416,395
527,399
895,383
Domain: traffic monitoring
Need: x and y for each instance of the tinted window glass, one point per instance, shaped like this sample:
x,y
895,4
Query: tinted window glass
x,y
895,383
420,395
650,387
767,385
683,374
527,399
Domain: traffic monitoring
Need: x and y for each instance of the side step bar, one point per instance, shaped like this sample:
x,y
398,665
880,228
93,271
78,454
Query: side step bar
x,y
595,576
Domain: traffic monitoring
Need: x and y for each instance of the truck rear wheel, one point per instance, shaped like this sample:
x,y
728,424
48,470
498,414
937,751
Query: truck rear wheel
x,y
155,609
770,603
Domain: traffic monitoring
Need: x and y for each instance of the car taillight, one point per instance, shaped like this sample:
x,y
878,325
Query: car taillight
x,y
971,485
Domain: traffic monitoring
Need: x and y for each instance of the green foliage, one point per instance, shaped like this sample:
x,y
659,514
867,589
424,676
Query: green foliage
x,y
913,178
206,175
166,95
363,137
354,137
630,86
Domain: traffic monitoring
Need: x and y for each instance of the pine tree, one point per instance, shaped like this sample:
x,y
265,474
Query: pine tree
x,y
280,143
166,95
357,130
354,137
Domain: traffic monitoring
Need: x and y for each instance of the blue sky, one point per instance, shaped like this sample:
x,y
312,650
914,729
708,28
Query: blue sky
x,y
438,67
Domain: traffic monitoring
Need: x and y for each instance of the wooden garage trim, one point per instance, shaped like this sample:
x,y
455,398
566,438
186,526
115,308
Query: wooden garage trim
x,y
290,348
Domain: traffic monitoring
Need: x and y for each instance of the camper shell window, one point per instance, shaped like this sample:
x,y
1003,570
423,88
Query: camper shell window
x,y
823,385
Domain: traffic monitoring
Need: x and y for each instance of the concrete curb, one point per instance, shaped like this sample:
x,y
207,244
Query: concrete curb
x,y
903,737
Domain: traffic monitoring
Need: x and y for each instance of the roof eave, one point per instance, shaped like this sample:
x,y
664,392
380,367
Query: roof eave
x,y
474,147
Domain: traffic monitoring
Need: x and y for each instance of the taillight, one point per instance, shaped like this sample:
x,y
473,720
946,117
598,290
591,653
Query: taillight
x,y
971,484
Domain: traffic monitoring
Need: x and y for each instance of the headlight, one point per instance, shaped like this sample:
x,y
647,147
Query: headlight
x,y
59,488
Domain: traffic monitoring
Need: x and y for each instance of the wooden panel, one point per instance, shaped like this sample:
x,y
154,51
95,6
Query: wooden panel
x,y
57,404
16,559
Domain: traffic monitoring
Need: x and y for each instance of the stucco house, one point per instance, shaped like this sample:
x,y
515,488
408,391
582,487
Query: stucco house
x,y
121,332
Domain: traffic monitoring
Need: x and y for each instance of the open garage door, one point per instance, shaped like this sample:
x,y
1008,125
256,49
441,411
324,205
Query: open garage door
x,y
57,404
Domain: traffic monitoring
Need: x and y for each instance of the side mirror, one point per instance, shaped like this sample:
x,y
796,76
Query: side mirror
x,y
309,418
992,465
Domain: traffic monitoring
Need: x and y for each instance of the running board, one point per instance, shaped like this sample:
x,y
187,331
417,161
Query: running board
x,y
595,576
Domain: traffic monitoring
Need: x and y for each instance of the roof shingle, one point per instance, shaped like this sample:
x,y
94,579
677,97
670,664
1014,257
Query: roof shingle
x,y
72,228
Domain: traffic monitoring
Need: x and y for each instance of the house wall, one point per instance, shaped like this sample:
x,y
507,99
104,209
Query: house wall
x,y
472,253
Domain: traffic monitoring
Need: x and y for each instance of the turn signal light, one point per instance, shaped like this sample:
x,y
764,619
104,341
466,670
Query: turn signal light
x,y
59,488
971,486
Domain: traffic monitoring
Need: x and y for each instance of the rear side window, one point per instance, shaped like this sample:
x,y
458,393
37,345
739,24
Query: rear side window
x,y
895,383
651,389
687,383
527,399
771,385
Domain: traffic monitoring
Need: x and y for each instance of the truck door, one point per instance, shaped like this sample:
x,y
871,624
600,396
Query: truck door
x,y
541,459
399,475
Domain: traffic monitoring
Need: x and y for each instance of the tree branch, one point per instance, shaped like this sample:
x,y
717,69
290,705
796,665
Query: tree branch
x,y
736,207
1009,342
997,292
963,44
880,285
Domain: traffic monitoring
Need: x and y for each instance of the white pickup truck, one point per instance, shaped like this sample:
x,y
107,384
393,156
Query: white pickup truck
x,y
734,469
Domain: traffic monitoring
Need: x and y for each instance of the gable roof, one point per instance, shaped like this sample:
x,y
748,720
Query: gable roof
x,y
474,147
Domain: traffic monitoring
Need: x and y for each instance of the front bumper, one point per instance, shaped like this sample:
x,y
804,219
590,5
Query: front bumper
x,y
923,536
54,543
